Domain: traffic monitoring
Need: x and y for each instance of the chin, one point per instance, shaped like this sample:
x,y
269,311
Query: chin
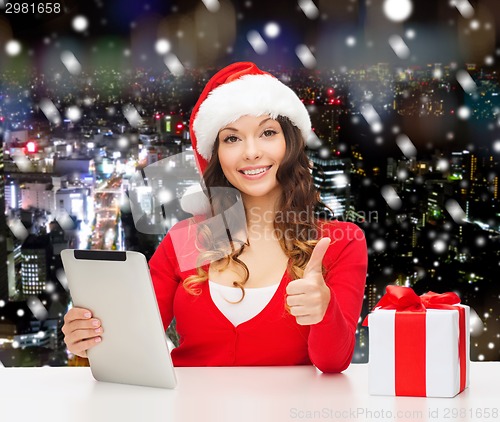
x,y
261,192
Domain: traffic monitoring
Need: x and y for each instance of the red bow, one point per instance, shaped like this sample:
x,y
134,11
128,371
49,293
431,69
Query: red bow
x,y
405,299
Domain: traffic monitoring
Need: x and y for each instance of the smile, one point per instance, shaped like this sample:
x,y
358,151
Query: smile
x,y
255,172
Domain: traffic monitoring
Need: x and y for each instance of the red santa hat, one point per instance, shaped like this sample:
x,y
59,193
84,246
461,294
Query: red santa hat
x,y
237,90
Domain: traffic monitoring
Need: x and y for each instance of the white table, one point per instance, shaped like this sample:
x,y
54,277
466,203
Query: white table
x,y
257,394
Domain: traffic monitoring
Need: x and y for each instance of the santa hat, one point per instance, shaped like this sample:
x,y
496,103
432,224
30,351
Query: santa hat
x,y
237,90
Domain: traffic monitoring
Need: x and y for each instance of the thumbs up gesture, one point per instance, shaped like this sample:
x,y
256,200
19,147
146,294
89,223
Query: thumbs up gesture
x,y
309,297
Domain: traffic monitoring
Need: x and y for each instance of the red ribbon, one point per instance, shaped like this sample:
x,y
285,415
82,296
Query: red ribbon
x,y
410,344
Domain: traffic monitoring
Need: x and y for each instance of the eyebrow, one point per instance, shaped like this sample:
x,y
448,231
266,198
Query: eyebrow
x,y
236,130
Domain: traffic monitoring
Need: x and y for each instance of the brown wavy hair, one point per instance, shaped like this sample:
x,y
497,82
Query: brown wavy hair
x,y
295,224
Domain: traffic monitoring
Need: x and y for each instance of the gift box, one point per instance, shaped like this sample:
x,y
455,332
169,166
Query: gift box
x,y
419,345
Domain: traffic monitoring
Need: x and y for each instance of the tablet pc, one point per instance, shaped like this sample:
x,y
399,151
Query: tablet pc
x,y
116,286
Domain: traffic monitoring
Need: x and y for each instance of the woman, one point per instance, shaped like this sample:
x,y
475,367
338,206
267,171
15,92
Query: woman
x,y
280,287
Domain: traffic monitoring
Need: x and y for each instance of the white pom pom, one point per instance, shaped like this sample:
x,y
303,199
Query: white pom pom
x,y
194,201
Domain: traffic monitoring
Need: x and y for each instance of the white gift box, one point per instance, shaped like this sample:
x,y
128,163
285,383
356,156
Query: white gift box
x,y
443,366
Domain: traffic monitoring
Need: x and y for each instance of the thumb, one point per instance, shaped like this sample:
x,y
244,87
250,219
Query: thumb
x,y
316,260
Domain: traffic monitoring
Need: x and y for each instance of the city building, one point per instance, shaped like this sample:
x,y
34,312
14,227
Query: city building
x,y
332,178
36,255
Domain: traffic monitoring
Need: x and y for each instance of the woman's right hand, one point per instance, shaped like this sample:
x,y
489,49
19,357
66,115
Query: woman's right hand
x,y
81,331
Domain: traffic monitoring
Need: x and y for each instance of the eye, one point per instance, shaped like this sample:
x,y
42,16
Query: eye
x,y
231,139
268,133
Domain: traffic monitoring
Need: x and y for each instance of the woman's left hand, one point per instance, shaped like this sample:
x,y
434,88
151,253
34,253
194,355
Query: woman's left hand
x,y
308,297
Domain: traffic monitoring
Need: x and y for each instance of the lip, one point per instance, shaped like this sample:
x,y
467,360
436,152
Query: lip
x,y
254,176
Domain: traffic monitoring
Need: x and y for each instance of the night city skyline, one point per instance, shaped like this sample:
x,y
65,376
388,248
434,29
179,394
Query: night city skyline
x,y
407,143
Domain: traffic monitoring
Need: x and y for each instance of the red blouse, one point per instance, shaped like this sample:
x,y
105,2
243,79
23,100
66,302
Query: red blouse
x,y
272,337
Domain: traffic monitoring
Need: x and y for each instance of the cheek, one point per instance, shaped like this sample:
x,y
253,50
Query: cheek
x,y
280,154
227,161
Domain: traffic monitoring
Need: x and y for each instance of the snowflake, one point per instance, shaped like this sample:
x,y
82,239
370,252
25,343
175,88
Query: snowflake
x,y
397,10
406,146
350,41
399,47
73,113
257,42
162,46
439,246
80,23
391,197
272,30
464,7
474,24
309,8
455,210
50,110
13,47
410,34
372,117
466,82
305,56
379,245
464,112
132,115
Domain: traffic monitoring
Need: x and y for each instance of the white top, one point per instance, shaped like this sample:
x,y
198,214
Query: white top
x,y
255,301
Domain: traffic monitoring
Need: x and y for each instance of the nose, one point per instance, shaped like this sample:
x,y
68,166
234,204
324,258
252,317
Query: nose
x,y
252,149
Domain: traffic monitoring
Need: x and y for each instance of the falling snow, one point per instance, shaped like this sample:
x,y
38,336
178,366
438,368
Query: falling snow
x,y
13,47
391,197
406,146
466,81
372,117
132,115
309,8
50,110
305,56
399,46
379,245
37,308
212,5
162,46
18,230
410,34
22,162
455,210
74,113
61,277
174,65
272,30
80,23
350,41
257,42
397,10
464,112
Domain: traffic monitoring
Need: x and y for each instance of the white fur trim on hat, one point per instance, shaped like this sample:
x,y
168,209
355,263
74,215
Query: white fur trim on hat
x,y
252,95
194,201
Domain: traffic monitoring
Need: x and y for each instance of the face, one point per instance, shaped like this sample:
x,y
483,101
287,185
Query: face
x,y
250,152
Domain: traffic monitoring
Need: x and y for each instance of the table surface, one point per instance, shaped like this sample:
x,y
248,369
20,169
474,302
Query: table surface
x,y
295,393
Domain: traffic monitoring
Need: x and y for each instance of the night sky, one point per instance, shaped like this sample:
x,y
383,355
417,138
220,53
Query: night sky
x,y
339,33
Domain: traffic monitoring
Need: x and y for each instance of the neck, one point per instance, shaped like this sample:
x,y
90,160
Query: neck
x,y
260,213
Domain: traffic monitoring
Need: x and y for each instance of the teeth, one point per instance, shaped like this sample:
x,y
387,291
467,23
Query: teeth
x,y
256,171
